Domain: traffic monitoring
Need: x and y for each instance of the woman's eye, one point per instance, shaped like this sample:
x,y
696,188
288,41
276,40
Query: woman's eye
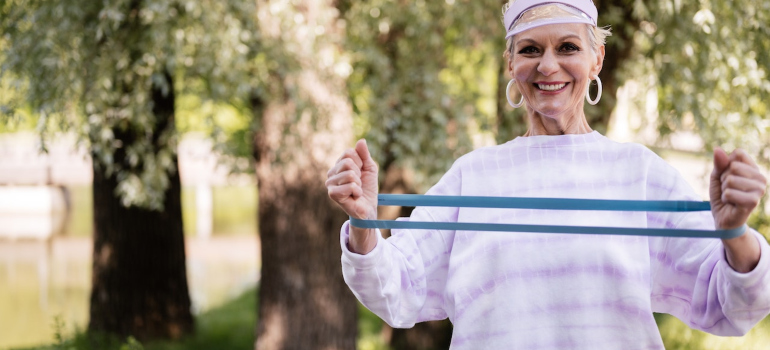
x,y
528,49
569,47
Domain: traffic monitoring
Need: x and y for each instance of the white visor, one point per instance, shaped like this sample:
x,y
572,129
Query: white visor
x,y
551,13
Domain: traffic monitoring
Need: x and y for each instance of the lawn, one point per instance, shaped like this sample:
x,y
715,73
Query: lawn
x,y
231,327
227,327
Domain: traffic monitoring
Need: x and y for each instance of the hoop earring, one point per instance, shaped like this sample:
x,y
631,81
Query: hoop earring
x,y
508,95
598,94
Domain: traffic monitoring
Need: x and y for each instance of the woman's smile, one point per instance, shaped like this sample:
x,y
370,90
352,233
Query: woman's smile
x,y
551,88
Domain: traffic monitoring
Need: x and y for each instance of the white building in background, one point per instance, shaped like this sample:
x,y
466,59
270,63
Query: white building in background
x,y
34,200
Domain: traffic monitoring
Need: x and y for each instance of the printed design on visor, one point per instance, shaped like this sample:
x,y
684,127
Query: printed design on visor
x,y
522,15
545,203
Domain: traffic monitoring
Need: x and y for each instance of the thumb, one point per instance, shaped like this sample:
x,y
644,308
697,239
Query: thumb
x,y
720,162
363,152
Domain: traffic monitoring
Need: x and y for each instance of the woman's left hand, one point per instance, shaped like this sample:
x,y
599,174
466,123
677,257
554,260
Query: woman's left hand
x,y
735,189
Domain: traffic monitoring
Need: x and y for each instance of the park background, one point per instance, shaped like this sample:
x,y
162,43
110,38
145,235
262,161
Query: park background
x,y
178,202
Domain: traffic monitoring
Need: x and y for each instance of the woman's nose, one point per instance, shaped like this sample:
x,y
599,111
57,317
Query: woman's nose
x,y
548,63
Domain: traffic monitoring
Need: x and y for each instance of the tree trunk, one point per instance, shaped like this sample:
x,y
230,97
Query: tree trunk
x,y
431,335
304,302
302,130
139,284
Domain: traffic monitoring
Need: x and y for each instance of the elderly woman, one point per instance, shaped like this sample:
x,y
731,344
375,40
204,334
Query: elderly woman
x,y
559,291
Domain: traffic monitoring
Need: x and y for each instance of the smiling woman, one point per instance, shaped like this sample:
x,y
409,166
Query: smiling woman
x,y
553,66
527,290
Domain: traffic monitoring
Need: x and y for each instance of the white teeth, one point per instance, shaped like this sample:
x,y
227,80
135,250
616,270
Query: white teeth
x,y
550,87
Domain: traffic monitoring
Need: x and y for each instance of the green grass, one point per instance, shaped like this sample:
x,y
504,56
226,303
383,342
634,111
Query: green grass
x,y
227,327
231,327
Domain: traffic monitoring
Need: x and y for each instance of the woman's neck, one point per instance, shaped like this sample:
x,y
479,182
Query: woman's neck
x,y
542,125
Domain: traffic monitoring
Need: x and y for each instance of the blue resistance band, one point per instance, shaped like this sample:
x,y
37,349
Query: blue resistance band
x,y
545,203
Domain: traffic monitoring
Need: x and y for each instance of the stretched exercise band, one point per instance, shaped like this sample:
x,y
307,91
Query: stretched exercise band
x,y
545,203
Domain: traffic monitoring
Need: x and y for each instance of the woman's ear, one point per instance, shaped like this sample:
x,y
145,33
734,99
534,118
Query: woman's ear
x,y
599,61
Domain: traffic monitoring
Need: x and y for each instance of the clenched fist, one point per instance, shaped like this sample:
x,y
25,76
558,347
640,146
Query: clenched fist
x,y
736,188
352,183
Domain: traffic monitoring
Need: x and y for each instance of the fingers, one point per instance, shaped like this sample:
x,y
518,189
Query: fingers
x,y
342,193
742,170
343,165
741,164
739,179
741,156
721,162
353,156
363,153
743,184
747,200
357,158
344,178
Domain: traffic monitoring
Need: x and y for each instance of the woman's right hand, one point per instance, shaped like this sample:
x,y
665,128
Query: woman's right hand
x,y
352,182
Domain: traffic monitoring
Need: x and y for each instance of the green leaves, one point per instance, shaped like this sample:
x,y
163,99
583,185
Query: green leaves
x,y
708,63
91,68
422,76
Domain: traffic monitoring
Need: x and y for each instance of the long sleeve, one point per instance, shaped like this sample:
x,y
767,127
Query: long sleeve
x,y
402,279
691,278
693,281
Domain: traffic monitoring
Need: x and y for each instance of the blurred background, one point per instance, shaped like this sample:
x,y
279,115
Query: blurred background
x,y
162,161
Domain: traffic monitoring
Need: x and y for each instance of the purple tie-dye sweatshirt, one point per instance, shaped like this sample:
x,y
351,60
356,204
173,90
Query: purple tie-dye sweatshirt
x,y
505,290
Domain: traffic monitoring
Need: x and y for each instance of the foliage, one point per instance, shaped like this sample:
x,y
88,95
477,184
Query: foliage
x,y
423,78
222,67
91,68
106,75
706,63
712,70
301,96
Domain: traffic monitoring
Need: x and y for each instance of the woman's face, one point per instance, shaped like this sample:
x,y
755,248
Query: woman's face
x,y
552,65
